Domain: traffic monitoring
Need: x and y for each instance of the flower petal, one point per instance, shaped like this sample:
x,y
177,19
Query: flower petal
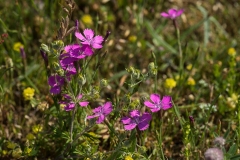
x,y
97,110
83,104
88,33
100,119
130,126
107,108
145,117
164,14
55,90
126,120
80,36
155,98
166,102
179,12
155,109
143,125
172,12
97,42
134,113
149,104
92,116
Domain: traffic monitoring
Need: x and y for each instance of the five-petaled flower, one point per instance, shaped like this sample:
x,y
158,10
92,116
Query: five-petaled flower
x,y
70,104
101,112
136,119
89,39
157,103
172,13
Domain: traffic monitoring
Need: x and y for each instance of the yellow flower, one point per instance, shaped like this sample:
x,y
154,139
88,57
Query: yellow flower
x,y
4,152
87,19
128,158
30,136
11,145
189,67
37,128
17,153
191,81
170,83
27,150
17,46
232,101
132,38
231,52
28,93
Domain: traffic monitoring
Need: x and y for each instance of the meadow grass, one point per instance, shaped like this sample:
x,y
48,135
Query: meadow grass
x,y
149,84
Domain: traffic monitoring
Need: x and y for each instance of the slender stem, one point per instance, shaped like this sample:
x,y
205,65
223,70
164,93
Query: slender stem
x,y
160,140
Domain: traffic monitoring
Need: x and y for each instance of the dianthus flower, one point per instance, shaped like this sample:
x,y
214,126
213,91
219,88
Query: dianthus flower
x,y
157,103
89,39
101,112
70,104
172,13
136,120
55,82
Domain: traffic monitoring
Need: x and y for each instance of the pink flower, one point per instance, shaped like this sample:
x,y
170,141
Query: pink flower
x,y
55,82
172,13
70,104
89,39
101,112
157,103
136,120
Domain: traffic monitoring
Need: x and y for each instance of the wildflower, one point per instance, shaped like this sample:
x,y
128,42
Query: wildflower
x,y
191,81
132,38
30,136
172,13
89,39
78,52
101,112
17,153
136,120
170,83
4,152
55,82
208,106
191,119
213,154
17,46
189,67
128,158
87,19
37,128
232,52
70,104
11,145
28,151
157,103
28,93
219,141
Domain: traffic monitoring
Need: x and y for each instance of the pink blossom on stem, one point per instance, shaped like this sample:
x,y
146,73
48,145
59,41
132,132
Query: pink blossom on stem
x,y
156,103
172,13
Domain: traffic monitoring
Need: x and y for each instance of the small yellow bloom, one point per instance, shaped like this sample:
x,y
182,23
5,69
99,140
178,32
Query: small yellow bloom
x,y
4,152
231,52
170,83
28,93
128,158
27,150
191,81
132,38
37,128
87,19
17,46
17,153
30,136
11,145
189,67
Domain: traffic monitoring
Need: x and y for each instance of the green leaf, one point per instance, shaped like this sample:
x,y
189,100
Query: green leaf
x,y
233,149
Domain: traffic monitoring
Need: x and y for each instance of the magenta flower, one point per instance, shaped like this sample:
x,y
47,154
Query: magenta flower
x,y
136,120
89,39
55,82
101,112
157,103
70,104
172,13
